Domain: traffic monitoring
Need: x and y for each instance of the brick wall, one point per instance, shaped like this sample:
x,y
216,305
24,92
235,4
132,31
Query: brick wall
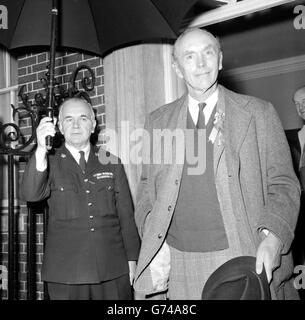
x,y
31,68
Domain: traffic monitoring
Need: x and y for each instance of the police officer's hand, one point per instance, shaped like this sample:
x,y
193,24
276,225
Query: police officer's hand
x,y
46,128
132,270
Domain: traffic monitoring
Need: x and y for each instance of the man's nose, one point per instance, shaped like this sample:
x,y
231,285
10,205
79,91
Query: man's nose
x,y
201,60
75,124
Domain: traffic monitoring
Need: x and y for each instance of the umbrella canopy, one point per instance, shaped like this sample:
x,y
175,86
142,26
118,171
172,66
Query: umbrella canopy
x,y
97,26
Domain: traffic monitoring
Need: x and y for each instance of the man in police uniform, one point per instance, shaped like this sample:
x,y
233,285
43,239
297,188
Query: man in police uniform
x,y
92,242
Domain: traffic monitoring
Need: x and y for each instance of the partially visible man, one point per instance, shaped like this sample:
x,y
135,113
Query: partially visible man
x,y
92,241
246,202
296,140
296,137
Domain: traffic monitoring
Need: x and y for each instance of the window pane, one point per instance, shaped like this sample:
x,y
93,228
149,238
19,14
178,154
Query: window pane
x,y
5,108
2,69
14,70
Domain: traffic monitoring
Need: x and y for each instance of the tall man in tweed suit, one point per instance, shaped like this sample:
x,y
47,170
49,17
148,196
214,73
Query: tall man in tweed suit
x,y
92,241
245,202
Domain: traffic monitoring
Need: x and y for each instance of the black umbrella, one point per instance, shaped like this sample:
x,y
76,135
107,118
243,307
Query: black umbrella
x,y
98,26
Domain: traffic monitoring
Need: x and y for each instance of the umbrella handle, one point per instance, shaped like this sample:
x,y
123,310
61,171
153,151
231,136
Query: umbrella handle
x,y
49,139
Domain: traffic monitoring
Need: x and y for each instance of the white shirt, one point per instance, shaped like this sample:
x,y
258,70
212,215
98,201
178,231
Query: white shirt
x,y
75,152
208,109
41,164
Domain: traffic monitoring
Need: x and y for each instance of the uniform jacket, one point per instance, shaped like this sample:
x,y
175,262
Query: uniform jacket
x,y
264,189
91,230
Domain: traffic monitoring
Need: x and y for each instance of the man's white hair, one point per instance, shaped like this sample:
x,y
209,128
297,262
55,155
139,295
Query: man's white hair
x,y
185,32
75,99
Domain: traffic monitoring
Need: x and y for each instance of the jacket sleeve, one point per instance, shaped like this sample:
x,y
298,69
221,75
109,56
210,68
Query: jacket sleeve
x,y
144,203
34,185
125,210
283,188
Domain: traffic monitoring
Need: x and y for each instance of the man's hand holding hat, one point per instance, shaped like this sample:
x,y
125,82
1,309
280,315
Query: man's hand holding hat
x,y
268,254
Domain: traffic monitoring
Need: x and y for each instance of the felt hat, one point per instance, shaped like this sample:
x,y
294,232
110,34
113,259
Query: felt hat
x,y
237,280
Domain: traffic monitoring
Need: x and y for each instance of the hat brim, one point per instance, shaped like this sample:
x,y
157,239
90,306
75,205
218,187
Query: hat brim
x,y
237,280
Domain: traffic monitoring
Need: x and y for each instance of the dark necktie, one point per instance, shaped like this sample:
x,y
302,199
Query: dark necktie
x,y
201,119
82,161
302,169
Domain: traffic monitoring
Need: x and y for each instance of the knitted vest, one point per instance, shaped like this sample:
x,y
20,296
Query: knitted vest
x,y
197,224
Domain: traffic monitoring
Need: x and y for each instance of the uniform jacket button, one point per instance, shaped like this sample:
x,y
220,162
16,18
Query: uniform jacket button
x,y
169,208
109,188
160,235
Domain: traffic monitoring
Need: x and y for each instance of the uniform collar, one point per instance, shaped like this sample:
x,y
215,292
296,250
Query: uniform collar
x,y
75,152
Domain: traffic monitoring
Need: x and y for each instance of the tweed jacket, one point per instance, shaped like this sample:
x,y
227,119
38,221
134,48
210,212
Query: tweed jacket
x,y
265,191
91,230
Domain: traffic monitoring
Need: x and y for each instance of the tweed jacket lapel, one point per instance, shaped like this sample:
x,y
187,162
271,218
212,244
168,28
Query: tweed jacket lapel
x,y
218,148
234,134
176,124
180,125
181,122
177,120
173,170
236,124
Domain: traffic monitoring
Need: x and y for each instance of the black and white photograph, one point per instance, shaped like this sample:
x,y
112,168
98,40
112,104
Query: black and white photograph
x,y
152,153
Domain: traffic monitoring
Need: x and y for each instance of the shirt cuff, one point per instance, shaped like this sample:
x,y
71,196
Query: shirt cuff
x,y
41,163
266,231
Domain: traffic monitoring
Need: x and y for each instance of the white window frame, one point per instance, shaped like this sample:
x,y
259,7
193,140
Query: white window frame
x,y
12,90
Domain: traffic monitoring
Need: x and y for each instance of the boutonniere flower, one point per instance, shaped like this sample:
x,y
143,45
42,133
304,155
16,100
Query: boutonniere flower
x,y
218,128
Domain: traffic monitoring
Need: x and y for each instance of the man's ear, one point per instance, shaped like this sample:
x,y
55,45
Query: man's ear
x,y
177,69
93,126
60,127
220,61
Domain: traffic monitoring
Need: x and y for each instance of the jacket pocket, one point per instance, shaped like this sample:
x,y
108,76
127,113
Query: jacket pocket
x,y
106,197
64,200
